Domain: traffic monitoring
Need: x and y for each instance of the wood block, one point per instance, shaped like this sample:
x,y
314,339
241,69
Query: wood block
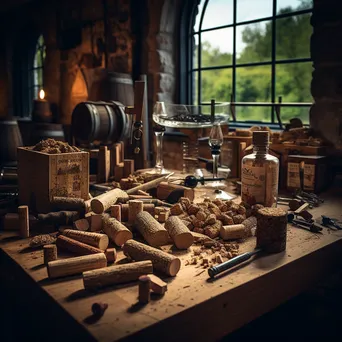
x,y
118,172
157,285
110,255
115,155
103,165
42,176
24,224
128,167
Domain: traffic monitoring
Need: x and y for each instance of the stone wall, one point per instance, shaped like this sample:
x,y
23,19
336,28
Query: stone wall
x,y
326,86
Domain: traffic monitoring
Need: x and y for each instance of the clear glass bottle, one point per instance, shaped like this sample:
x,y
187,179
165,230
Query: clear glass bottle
x,y
260,173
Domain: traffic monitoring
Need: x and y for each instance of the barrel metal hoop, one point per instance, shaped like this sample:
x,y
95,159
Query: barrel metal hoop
x,y
111,120
119,109
95,118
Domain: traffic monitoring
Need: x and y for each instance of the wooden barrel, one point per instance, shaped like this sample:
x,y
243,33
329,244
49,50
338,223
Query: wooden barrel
x,y
10,140
120,88
99,123
42,131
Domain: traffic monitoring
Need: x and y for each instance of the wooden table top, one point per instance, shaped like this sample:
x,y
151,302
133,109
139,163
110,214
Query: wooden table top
x,y
193,300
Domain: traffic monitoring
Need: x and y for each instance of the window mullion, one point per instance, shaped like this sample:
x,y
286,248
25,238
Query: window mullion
x,y
273,72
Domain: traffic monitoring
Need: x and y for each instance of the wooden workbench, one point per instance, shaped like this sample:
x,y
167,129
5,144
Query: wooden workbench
x,y
193,307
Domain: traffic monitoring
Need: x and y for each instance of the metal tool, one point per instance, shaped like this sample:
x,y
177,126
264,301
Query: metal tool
x,y
312,227
327,221
192,181
309,195
215,270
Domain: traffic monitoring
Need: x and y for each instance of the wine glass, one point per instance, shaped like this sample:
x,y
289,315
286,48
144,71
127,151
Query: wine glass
x,y
159,112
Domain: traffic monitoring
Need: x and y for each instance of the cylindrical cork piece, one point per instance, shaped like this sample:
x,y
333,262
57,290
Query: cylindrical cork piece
x,y
59,217
144,289
116,274
149,207
76,247
115,211
76,265
162,261
68,203
134,208
50,253
271,230
250,223
97,240
233,232
110,254
24,224
81,224
179,232
115,230
152,231
103,202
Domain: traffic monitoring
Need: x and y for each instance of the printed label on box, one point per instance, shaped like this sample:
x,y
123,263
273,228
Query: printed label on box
x,y
309,176
293,175
67,178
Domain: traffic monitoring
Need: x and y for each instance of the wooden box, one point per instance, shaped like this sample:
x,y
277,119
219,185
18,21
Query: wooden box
x,y
42,176
309,173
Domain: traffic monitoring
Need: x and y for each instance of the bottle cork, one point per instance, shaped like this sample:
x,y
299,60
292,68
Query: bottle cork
x,y
50,253
144,289
115,211
134,208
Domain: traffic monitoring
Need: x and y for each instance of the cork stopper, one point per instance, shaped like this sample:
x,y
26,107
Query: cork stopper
x,y
260,138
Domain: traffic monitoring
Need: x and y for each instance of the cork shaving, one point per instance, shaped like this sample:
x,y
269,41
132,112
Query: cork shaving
x,y
52,146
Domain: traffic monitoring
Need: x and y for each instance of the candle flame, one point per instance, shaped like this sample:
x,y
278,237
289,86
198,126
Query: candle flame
x,y
42,94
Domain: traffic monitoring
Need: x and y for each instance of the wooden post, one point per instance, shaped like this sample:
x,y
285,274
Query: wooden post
x,y
103,165
118,172
24,226
128,167
81,224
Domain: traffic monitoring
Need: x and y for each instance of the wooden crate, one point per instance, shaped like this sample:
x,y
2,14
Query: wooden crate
x,y
42,175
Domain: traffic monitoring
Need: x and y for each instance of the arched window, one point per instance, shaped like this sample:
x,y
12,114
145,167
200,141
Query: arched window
x,y
252,51
28,65
37,69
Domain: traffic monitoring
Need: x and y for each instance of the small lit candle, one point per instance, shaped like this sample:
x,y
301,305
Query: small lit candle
x,y
41,109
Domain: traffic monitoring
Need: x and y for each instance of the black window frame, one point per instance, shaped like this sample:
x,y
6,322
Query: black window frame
x,y
27,43
187,70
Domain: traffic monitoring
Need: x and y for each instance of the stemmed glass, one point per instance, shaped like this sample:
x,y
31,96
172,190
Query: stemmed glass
x,y
158,112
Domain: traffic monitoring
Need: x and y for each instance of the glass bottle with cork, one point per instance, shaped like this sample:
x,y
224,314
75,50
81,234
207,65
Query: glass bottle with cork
x,y
260,173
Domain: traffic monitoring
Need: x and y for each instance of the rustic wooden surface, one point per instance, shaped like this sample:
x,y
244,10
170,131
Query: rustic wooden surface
x,y
194,306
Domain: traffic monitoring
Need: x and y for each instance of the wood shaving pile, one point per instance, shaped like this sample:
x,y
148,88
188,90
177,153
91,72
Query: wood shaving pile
x,y
211,253
209,216
52,146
